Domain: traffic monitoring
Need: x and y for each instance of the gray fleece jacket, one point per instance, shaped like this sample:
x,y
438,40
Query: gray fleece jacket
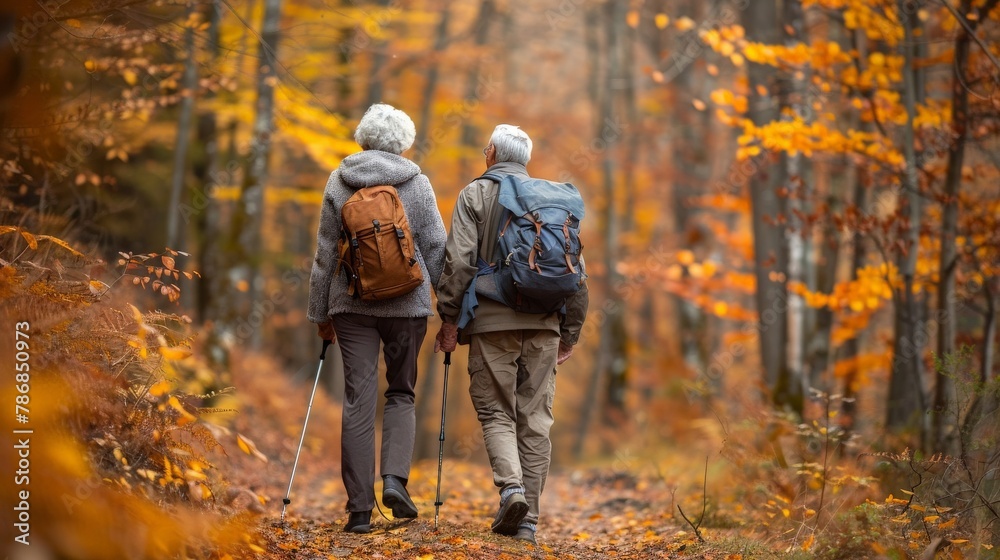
x,y
328,292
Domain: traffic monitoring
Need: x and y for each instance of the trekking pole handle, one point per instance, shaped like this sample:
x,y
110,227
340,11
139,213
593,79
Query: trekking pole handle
x,y
326,344
447,358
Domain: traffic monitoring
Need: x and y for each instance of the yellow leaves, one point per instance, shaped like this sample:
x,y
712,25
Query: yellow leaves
x,y
948,524
247,446
30,239
130,77
192,474
174,352
808,543
582,536
661,21
892,500
185,416
684,24
160,388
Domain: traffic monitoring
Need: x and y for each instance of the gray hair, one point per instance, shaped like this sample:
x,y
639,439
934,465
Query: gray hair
x,y
511,144
385,128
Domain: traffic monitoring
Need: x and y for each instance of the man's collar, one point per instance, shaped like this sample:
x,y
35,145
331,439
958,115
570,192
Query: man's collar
x,y
508,168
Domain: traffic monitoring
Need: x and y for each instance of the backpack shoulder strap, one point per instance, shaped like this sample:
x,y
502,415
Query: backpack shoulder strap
x,y
491,176
489,252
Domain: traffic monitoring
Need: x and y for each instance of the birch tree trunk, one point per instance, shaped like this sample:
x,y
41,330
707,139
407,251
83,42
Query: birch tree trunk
x,y
907,399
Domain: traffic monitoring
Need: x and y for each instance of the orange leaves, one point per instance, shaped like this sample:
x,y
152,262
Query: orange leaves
x,y
247,446
133,265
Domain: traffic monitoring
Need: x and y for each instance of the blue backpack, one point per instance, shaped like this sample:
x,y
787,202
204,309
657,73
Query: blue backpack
x,y
538,251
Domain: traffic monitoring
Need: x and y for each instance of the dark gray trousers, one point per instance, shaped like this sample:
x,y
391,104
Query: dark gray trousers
x,y
359,337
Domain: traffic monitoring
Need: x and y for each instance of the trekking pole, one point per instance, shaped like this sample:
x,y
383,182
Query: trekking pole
x,y
302,438
444,404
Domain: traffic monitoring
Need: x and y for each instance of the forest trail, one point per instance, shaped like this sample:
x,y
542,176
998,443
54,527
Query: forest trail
x,y
586,515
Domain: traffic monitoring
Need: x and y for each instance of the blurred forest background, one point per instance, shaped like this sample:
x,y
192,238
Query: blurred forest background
x,y
793,231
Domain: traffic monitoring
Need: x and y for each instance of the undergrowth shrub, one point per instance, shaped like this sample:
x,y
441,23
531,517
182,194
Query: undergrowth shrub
x,y
121,459
810,488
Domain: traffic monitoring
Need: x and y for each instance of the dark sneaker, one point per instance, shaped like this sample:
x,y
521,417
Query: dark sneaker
x,y
526,534
509,516
359,522
395,497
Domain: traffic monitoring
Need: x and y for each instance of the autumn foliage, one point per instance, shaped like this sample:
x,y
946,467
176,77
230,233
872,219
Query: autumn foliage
x,y
792,237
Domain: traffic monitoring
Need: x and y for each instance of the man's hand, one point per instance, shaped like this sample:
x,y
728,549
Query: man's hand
x,y
326,332
447,338
565,351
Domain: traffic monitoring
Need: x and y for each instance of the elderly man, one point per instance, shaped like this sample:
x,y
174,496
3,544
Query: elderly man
x,y
512,355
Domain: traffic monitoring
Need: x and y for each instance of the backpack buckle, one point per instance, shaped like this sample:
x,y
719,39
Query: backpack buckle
x,y
399,233
377,225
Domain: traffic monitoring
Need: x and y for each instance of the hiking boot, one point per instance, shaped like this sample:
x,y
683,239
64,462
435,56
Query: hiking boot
x,y
512,511
526,533
395,496
359,522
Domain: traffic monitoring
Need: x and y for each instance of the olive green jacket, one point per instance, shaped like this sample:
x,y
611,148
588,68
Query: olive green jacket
x,y
474,226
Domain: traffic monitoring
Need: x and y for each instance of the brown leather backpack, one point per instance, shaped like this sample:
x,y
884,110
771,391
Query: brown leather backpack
x,y
376,245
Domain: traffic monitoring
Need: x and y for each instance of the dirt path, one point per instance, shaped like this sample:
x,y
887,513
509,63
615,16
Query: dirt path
x,y
586,515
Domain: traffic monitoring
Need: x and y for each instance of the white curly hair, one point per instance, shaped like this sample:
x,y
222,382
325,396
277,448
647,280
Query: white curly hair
x,y
385,128
511,144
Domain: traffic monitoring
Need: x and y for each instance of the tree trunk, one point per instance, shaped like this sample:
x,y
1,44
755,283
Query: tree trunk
x,y
793,96
591,24
907,399
470,134
770,252
189,87
423,149
206,210
849,405
688,146
375,83
617,364
245,245
943,421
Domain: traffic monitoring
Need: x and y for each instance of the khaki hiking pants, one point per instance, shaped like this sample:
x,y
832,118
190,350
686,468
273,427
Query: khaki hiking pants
x,y
359,337
512,384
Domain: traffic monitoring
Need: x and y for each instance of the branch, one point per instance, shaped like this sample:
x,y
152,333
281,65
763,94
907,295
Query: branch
x,y
704,506
968,29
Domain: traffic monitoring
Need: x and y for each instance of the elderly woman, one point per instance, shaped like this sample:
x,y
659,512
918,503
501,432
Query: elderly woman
x,y
360,325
